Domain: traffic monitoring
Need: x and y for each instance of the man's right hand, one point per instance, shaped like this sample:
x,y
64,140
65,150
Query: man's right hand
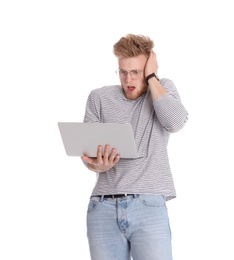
x,y
103,162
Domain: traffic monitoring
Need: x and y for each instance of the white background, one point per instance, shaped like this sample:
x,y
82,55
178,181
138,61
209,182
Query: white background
x,y
52,54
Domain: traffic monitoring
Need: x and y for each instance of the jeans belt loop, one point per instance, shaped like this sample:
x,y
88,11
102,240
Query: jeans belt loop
x,y
102,198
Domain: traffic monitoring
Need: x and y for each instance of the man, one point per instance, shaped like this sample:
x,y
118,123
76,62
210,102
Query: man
x,y
127,215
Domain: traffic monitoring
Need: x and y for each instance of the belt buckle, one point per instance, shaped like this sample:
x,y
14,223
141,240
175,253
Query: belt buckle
x,y
116,196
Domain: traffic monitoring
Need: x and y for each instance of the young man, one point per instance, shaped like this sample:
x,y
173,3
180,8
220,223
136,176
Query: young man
x,y
127,215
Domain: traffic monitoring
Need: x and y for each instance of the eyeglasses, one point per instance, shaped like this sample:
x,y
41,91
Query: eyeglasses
x,y
135,74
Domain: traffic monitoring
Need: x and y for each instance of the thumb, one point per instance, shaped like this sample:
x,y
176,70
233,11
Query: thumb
x,y
86,158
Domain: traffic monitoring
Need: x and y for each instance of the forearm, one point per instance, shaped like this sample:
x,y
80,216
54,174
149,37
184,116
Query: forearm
x,y
156,89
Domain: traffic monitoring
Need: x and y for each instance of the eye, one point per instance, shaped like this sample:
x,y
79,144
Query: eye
x,y
122,72
135,72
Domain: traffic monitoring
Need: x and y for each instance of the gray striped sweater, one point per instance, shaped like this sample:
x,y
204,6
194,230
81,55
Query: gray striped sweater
x,y
152,124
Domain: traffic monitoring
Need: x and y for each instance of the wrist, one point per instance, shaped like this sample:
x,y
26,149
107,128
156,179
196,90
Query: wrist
x,y
151,76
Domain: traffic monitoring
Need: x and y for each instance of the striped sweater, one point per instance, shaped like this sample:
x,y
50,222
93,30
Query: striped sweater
x,y
152,124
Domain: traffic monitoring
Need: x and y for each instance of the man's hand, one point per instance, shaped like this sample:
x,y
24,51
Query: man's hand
x,y
155,87
151,64
103,162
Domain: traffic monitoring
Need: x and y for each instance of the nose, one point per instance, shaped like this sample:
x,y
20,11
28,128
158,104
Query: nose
x,y
128,77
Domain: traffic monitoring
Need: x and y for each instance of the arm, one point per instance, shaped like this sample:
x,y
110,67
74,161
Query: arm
x,y
104,160
156,89
167,104
169,110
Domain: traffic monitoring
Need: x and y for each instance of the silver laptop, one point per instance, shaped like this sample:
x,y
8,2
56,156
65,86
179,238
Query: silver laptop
x,y
84,138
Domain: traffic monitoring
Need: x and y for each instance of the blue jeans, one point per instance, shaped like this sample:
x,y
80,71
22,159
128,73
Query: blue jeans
x,y
132,227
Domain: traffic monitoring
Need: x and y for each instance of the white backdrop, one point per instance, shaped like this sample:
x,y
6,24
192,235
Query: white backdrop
x,y
52,54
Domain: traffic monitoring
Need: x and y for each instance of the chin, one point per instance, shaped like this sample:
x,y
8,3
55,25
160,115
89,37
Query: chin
x,y
133,97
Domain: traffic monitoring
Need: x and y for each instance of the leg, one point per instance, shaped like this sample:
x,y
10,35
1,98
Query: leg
x,y
106,241
150,231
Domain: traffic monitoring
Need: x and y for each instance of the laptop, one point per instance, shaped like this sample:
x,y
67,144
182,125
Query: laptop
x,y
84,138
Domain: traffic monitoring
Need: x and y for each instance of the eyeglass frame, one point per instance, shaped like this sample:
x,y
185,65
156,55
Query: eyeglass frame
x,y
130,72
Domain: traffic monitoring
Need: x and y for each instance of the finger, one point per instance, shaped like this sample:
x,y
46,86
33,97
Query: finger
x,y
106,154
87,159
99,153
112,155
117,158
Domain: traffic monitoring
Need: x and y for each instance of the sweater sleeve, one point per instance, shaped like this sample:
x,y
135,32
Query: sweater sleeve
x,y
92,111
169,110
93,108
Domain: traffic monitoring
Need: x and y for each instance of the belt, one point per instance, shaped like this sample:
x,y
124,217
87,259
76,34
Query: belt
x,y
115,196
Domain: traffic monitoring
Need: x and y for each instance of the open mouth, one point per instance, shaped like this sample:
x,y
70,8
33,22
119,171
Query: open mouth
x,y
131,88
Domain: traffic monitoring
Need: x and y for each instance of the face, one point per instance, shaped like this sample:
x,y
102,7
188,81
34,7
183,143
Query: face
x,y
133,86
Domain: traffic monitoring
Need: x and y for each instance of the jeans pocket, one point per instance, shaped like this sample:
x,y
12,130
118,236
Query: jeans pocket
x,y
152,200
93,203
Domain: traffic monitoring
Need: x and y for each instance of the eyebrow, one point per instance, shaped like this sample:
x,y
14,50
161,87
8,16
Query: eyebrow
x,y
130,70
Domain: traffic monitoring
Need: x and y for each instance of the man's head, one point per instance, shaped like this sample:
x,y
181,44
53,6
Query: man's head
x,y
132,52
133,45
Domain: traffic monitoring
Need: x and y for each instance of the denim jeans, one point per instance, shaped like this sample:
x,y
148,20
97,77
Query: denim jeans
x,y
132,227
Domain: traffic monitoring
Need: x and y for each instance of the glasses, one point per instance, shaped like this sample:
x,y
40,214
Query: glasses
x,y
135,74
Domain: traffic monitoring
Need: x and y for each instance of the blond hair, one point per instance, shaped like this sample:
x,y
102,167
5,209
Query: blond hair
x,y
133,45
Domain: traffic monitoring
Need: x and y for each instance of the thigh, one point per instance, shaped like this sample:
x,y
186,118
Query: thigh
x,y
105,238
151,234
